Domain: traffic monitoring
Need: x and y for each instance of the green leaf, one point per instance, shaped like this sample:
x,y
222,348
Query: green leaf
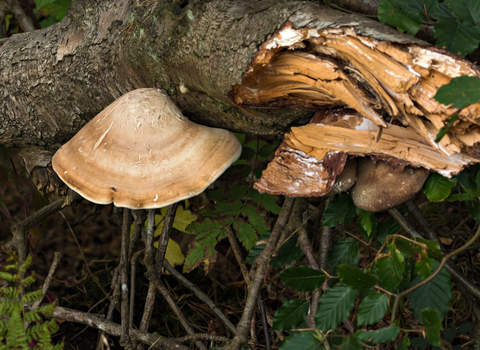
x,y
437,187
390,269
404,344
462,197
41,3
183,218
372,309
291,314
247,153
254,218
387,228
302,278
436,295
334,307
365,220
400,14
431,245
380,335
351,343
466,11
289,252
424,266
255,251
344,251
340,210
433,326
445,129
458,37
460,92
405,247
265,199
356,278
304,340
474,209
245,233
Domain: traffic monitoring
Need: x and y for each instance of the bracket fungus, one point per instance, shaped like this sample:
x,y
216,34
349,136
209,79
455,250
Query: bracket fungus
x,y
141,152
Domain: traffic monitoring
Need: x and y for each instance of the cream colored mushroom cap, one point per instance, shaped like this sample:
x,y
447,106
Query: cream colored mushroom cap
x,y
141,152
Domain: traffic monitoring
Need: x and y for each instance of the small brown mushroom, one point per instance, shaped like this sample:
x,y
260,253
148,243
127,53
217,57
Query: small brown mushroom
x,y
379,187
141,152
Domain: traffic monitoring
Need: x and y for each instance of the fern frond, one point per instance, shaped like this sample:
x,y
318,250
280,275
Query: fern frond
x,y
28,280
32,296
12,278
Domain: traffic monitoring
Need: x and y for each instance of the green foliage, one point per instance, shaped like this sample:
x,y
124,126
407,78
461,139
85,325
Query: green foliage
x,y
460,92
405,15
14,315
340,211
372,308
301,340
390,268
356,278
380,335
302,278
52,8
344,251
433,326
437,187
334,307
291,314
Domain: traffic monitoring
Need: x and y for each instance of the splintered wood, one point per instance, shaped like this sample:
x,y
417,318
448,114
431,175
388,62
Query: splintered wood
x,y
390,85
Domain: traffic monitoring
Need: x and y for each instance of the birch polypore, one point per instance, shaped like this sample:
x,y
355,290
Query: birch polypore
x,y
141,152
326,65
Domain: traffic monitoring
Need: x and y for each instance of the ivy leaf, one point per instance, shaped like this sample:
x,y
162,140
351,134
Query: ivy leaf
x,y
291,314
372,309
245,233
433,326
304,340
340,210
436,295
380,335
458,37
460,92
401,14
302,278
266,200
334,307
390,269
437,187
356,278
344,251
466,11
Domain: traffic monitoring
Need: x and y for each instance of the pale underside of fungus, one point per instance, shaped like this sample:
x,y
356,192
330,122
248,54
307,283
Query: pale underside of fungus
x,y
141,152
389,85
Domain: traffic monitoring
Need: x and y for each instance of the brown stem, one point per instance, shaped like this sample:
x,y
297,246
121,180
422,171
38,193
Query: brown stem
x,y
164,237
124,338
260,266
325,240
133,276
237,251
265,324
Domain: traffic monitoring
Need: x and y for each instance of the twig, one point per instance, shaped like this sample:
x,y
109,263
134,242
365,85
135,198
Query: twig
x,y
265,325
115,329
202,336
325,240
124,338
237,251
199,294
260,266
164,237
19,230
133,276
451,268
436,272
46,284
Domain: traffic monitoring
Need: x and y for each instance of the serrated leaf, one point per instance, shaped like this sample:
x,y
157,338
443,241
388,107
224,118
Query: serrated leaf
x,y
366,220
351,343
257,249
433,326
380,335
466,10
461,197
437,187
246,233
458,37
200,251
400,14
302,278
304,340
372,309
254,218
265,199
344,251
340,210
288,253
405,247
390,269
356,278
431,245
436,295
424,266
291,314
334,307
460,92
